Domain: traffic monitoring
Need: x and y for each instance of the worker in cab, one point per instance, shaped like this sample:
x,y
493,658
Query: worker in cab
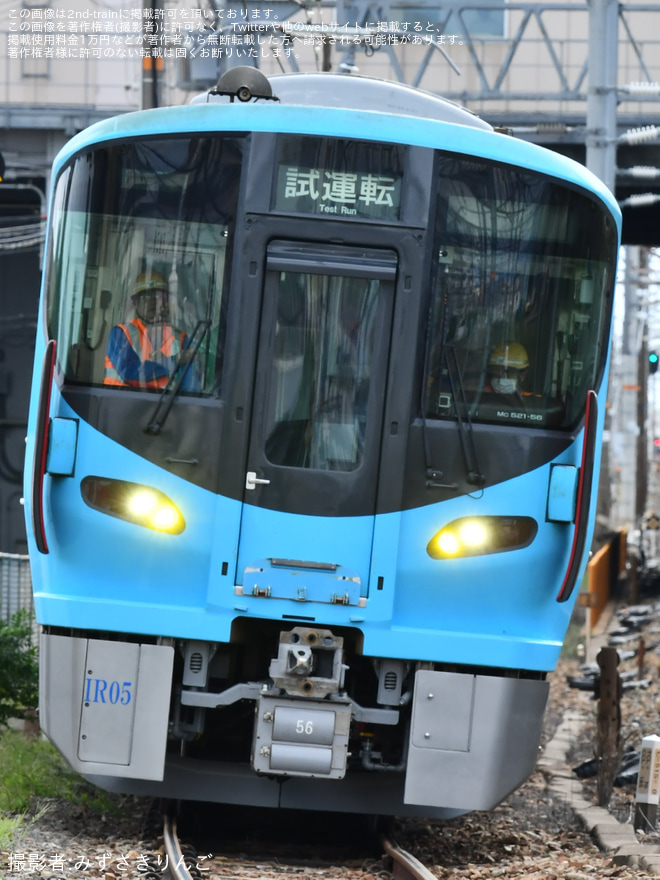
x,y
147,351
507,370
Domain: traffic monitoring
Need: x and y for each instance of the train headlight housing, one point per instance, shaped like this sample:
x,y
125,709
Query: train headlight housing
x,y
134,503
480,535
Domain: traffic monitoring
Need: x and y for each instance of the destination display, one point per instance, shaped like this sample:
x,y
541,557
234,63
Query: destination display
x,y
343,178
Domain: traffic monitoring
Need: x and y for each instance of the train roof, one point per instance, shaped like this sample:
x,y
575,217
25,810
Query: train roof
x,y
359,93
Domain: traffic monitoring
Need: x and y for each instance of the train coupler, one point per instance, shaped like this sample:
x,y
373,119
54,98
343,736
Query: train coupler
x,y
308,663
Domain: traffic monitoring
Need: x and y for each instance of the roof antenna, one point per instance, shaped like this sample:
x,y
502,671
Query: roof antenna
x,y
244,83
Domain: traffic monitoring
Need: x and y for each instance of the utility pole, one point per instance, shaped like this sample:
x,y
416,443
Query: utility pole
x,y
602,94
152,56
601,137
642,437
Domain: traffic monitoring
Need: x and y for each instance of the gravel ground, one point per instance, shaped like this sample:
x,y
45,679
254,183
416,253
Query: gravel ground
x,y
533,834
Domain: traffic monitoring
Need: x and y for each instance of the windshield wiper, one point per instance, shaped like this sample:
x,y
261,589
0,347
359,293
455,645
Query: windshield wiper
x,y
434,477
175,381
474,475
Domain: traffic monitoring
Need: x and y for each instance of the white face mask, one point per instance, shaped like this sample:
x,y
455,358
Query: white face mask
x,y
504,386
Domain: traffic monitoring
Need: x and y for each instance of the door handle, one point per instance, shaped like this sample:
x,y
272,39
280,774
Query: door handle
x,y
252,480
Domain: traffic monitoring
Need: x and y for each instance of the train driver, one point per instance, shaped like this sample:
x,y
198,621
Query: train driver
x,y
507,369
144,352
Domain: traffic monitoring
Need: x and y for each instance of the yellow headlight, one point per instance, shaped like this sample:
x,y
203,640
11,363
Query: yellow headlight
x,y
448,543
166,518
473,534
142,502
134,503
479,535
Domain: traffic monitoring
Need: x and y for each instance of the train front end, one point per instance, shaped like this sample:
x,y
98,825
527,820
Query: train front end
x,y
307,532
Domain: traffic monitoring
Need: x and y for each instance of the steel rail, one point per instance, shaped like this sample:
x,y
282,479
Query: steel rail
x,y
405,866
176,863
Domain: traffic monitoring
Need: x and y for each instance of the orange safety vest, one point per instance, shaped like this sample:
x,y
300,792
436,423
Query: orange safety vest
x,y
138,339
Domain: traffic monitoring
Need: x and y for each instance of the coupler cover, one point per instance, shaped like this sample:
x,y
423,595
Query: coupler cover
x,y
301,737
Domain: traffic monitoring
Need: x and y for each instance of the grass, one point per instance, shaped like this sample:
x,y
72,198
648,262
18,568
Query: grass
x,y
33,772
31,768
10,828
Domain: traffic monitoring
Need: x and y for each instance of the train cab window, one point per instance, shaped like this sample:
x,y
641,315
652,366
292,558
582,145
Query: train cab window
x,y
140,238
521,296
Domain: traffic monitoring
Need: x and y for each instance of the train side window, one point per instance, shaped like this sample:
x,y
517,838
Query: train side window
x,y
521,293
134,221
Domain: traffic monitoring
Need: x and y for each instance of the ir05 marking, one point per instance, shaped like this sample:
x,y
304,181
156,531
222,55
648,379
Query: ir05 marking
x,y
98,690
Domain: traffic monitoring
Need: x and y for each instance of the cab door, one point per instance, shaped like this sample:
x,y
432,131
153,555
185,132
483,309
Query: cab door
x,y
313,453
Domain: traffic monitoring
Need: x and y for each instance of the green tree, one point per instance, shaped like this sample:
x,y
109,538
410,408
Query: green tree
x,y
19,676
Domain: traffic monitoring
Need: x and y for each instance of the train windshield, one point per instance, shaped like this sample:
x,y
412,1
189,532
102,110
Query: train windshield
x,y
521,297
139,251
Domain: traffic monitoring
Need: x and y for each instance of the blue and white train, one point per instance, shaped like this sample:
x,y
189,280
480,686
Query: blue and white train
x,y
319,547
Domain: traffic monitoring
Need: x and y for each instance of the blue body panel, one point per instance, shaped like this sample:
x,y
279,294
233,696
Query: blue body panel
x,y
105,573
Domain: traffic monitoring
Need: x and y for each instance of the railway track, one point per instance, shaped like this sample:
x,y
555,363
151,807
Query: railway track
x,y
184,863
404,865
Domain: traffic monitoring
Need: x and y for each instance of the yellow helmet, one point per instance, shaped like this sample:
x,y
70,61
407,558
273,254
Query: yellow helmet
x,y
150,281
511,354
